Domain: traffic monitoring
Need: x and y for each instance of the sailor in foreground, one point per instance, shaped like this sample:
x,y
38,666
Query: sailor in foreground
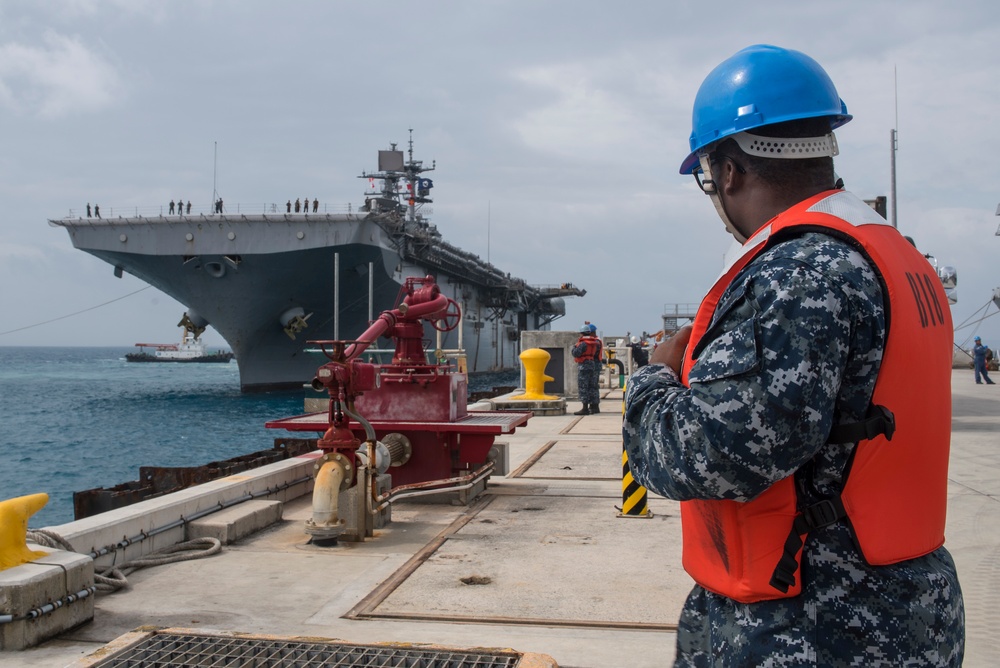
x,y
812,478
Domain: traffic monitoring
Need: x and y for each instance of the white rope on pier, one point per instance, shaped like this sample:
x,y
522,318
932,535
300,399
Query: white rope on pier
x,y
114,578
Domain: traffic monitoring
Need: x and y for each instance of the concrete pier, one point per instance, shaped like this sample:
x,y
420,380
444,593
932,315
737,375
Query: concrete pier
x,y
540,563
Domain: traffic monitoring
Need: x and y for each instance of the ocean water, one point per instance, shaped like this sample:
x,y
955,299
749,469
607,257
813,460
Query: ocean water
x,y
73,419
78,418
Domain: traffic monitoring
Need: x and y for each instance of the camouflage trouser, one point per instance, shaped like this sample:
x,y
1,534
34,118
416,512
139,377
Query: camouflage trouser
x,y
586,377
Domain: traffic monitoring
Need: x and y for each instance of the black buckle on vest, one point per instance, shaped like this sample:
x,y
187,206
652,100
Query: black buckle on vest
x,y
889,422
878,420
822,514
816,516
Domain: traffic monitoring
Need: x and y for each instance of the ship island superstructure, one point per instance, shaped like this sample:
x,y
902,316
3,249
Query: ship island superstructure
x,y
270,281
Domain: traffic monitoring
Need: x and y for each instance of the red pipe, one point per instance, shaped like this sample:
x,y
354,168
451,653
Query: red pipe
x,y
384,323
437,305
387,322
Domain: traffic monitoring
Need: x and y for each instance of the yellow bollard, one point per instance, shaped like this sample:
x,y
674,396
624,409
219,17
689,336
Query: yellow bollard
x,y
534,361
14,514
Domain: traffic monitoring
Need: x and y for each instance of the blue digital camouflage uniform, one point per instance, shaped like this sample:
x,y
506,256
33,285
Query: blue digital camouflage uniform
x,y
795,347
588,374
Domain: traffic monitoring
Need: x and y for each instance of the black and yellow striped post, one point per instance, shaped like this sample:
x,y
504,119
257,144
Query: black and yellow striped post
x,y
633,494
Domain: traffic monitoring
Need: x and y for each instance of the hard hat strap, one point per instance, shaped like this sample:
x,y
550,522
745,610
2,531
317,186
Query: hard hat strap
x,y
709,188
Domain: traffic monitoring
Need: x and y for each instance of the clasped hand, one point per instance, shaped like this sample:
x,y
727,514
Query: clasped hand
x,y
671,351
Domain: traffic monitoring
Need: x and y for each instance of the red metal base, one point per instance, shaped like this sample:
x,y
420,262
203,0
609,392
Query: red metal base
x,y
440,449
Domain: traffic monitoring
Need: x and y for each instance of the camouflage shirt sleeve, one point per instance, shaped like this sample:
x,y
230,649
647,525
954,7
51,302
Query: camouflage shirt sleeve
x,y
764,391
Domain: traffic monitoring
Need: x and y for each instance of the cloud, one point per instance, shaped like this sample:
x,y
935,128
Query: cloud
x,y
57,78
583,115
73,10
10,252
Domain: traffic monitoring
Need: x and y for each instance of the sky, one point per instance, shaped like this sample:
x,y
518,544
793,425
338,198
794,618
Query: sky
x,y
557,129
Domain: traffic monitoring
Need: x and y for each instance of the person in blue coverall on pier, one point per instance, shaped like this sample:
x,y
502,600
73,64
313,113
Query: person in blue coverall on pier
x,y
979,361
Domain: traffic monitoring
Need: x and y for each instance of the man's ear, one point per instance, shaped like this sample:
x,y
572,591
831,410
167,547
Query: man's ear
x,y
732,180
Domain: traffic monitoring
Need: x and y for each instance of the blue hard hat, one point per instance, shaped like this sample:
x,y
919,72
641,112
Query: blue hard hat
x,y
593,328
761,85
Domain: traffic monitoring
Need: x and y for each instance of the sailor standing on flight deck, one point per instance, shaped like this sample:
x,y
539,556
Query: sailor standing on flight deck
x,y
764,420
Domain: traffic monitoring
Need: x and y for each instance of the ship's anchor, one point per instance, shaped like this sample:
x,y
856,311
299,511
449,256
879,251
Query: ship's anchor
x,y
294,320
189,326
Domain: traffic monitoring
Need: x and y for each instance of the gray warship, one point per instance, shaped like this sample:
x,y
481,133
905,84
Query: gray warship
x,y
270,280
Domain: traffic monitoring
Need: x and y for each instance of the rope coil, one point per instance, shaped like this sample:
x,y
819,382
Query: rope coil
x,y
114,578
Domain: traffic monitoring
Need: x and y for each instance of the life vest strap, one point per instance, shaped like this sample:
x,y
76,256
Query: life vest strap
x,y
878,420
816,516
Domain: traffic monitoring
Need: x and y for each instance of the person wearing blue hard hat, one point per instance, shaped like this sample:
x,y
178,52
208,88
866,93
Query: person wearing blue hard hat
x,y
588,352
812,479
981,356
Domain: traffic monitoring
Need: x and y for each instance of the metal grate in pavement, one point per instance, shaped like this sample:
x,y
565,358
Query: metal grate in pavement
x,y
165,650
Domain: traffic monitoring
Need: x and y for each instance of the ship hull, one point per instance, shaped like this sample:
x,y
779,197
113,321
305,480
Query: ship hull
x,y
245,274
207,359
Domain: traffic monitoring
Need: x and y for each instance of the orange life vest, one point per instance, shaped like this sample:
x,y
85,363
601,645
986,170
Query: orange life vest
x,y
895,490
592,351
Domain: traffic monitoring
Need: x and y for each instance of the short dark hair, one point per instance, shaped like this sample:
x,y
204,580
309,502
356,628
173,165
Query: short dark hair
x,y
787,175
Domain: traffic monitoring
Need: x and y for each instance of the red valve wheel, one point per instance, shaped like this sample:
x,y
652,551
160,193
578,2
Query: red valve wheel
x,y
450,319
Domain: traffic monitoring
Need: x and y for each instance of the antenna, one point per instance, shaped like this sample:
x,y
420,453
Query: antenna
x,y
893,147
895,93
215,169
488,203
